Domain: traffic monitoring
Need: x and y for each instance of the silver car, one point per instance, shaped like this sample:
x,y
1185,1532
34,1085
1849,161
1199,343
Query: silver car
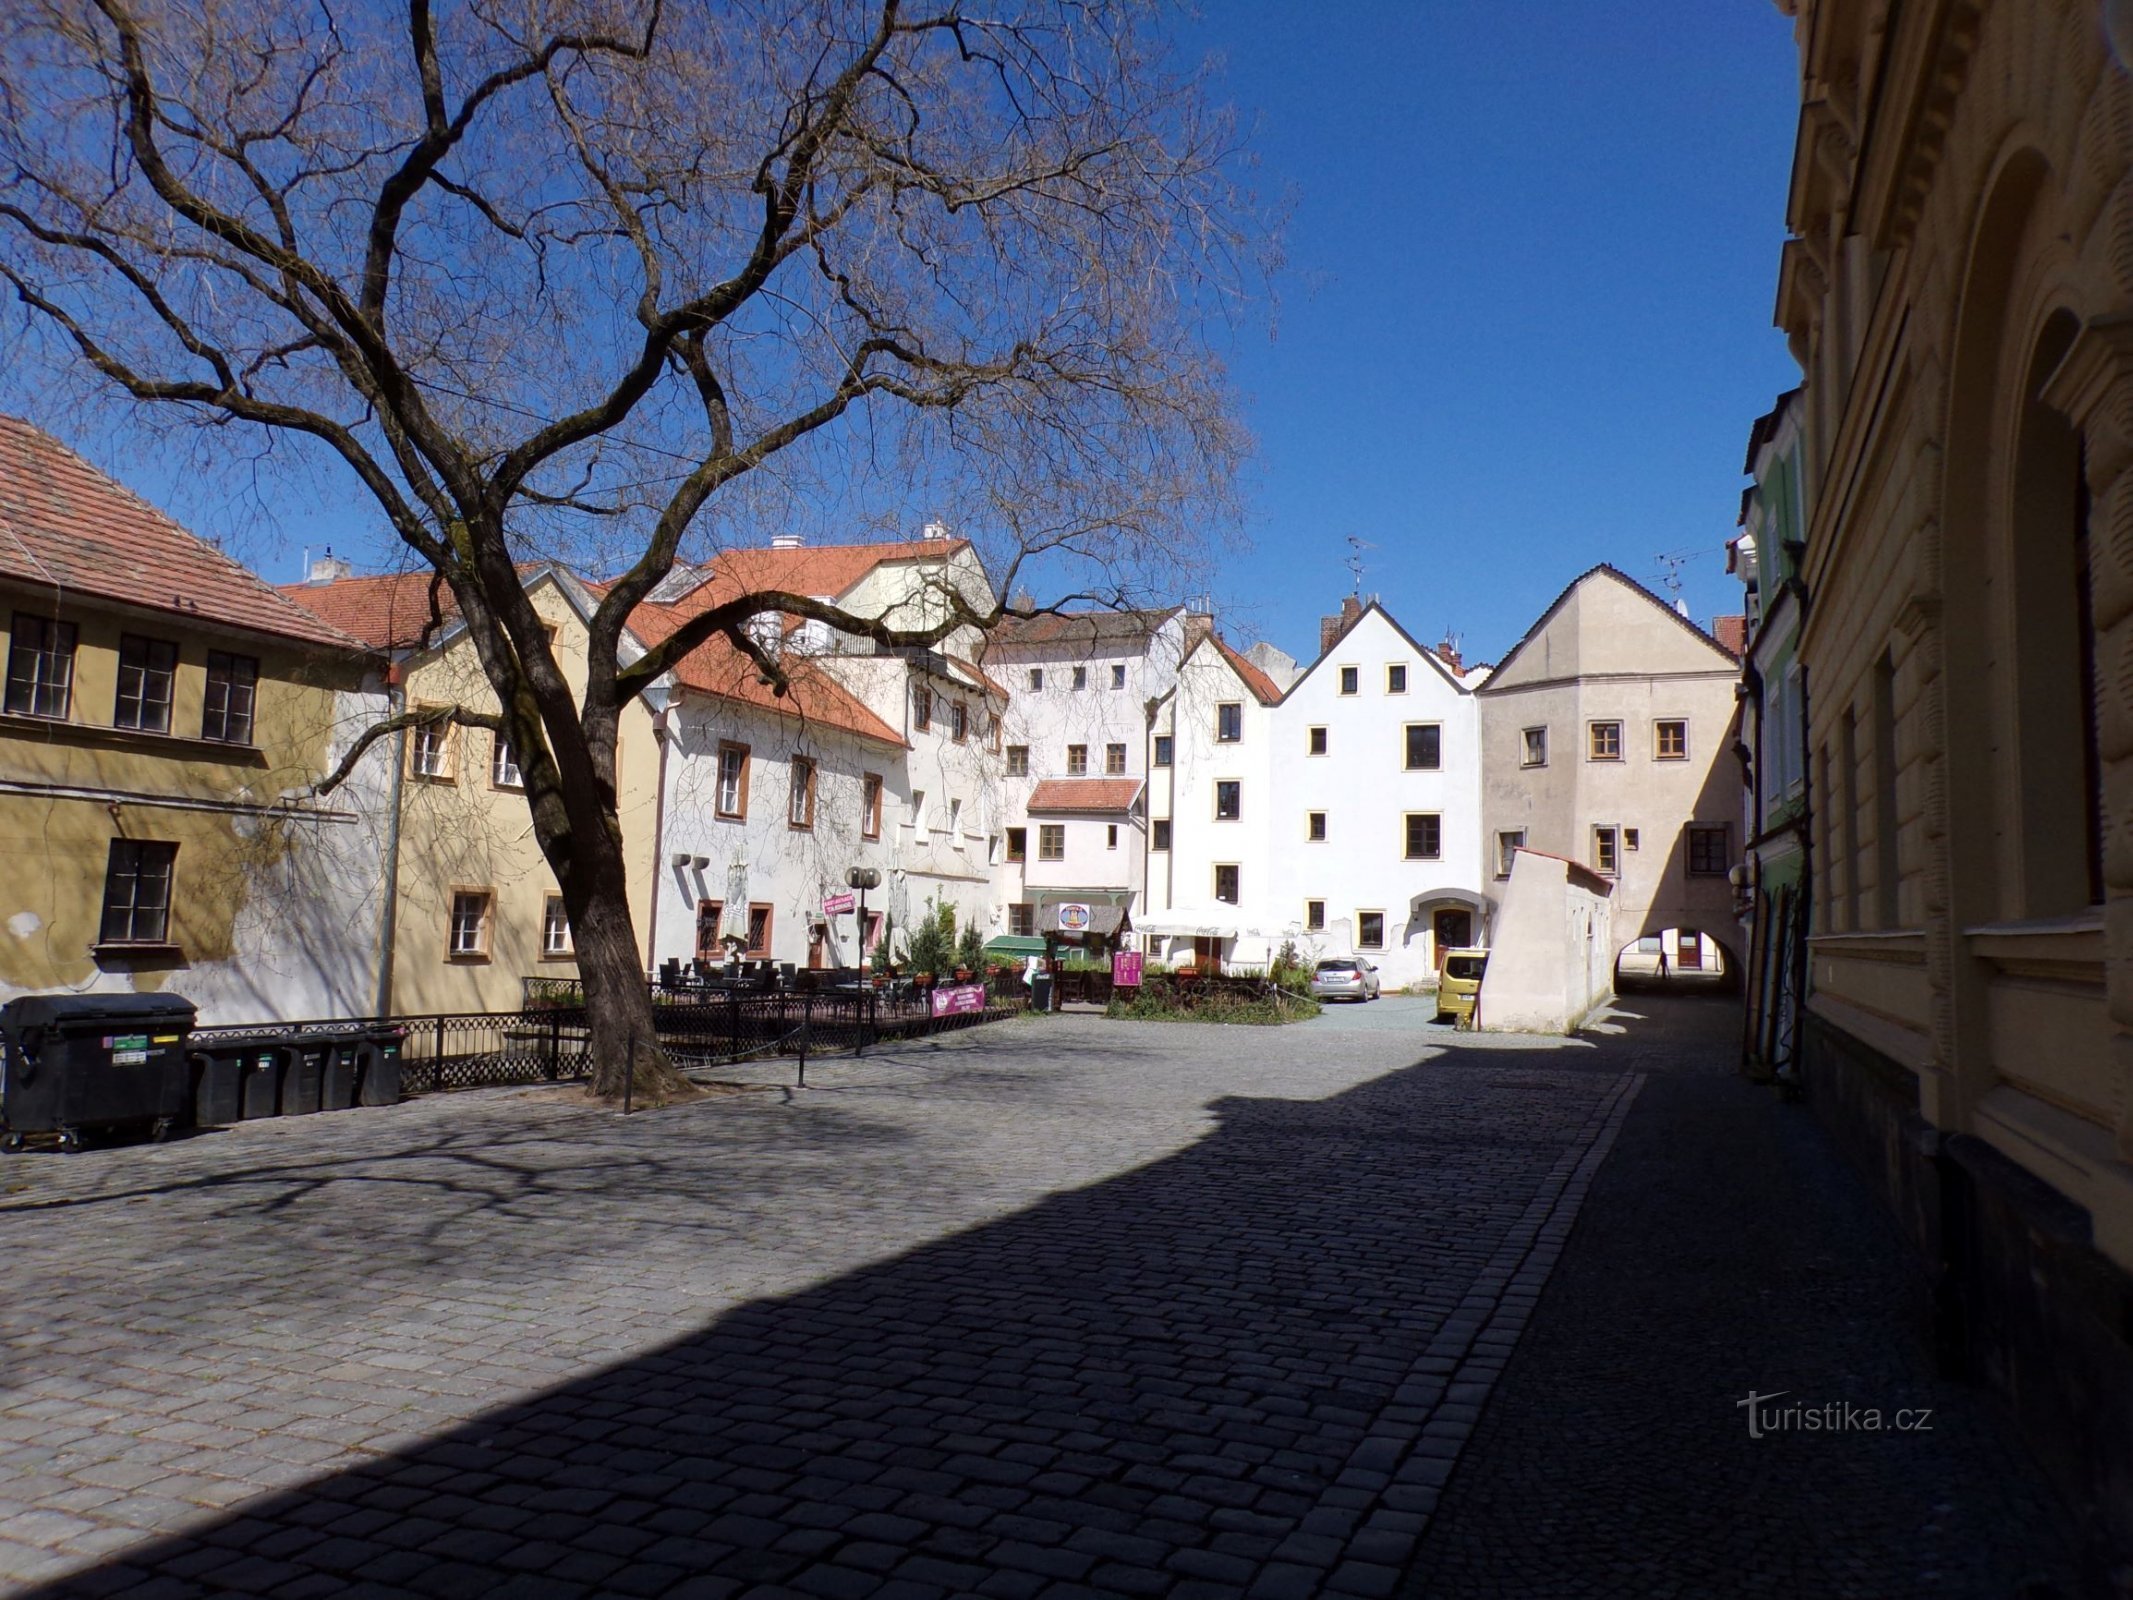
x,y
1344,978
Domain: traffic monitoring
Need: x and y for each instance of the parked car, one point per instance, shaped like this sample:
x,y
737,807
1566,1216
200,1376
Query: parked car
x,y
1459,985
1344,978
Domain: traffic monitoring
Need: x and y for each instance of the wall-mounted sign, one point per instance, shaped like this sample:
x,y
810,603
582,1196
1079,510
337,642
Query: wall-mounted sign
x,y
1073,918
836,905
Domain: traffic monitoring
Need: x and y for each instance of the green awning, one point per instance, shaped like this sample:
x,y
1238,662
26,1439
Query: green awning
x,y
1014,944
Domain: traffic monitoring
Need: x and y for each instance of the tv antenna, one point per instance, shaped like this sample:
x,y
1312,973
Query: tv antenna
x,y
1354,563
1671,562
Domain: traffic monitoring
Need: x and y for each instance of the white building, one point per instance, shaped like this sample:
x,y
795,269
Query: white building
x,y
1077,748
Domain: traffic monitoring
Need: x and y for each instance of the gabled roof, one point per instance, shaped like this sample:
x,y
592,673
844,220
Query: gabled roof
x,y
1085,795
1264,689
390,611
1094,627
819,569
1731,633
65,526
1571,588
1414,644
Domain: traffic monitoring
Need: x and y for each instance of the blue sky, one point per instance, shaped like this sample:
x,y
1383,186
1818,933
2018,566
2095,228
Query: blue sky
x,y
1523,327
1526,320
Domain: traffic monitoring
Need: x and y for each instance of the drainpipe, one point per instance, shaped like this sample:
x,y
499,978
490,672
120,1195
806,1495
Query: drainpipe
x,y
661,738
388,916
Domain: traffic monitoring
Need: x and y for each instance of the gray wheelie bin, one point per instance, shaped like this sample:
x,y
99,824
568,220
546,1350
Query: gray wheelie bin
x,y
71,1062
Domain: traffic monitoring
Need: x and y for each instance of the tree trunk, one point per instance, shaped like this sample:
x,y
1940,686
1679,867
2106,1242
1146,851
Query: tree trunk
x,y
618,1002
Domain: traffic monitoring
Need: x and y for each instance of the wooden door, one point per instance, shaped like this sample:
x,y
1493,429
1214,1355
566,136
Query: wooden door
x,y
1691,947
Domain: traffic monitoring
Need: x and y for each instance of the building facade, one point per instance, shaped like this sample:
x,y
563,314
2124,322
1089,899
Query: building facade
x,y
1958,293
167,717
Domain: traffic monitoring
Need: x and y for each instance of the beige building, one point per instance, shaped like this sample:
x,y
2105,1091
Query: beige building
x,y
166,715
1606,739
1959,293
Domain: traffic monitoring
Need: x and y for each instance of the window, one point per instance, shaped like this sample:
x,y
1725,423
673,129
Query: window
x,y
1163,749
1425,747
1229,722
758,929
503,764
1370,930
1081,677
1018,844
1111,836
1226,890
710,931
1536,751
1351,679
1118,675
1115,760
921,707
955,820
1051,841
1396,678
1315,827
429,748
1022,920
1018,761
1317,744
1605,741
1604,857
1229,800
1077,760
232,689
1709,850
1629,838
992,849
918,808
800,803
1670,741
1425,835
555,928
146,669
40,667
1159,834
1507,847
1036,677
1314,916
471,910
732,799
870,805
958,721
137,879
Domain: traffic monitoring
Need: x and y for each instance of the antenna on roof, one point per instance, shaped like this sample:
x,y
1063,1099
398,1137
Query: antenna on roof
x,y
1354,563
1671,563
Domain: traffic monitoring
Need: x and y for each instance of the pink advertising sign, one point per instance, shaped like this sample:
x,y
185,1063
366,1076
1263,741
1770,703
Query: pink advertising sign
x,y
1126,970
953,999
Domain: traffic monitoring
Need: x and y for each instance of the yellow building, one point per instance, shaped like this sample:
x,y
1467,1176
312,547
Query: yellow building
x,y
166,714
1959,293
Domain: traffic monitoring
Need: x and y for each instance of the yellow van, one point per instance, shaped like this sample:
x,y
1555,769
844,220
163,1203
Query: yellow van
x,y
1459,985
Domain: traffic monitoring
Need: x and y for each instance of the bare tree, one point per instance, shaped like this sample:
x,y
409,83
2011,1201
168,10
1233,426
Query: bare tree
x,y
614,280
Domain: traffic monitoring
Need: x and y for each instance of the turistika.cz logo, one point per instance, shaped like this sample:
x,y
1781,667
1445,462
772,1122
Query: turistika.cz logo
x,y
1766,1417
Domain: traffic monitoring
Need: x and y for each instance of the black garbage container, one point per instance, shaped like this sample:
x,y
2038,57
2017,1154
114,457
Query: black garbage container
x,y
379,1084
221,1072
263,1064
1040,992
70,1062
303,1074
341,1065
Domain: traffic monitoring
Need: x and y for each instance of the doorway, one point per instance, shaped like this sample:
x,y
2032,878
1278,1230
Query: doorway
x,y
1451,930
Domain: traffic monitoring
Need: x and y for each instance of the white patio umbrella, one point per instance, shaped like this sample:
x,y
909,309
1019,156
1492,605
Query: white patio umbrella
x,y
734,924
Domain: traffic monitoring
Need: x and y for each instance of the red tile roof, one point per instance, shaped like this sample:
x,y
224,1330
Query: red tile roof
x,y
1264,689
388,612
1079,627
1731,632
819,569
65,526
1085,794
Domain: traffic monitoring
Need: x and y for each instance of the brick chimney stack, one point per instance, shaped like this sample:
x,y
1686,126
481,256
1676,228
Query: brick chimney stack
x,y
1448,653
1330,629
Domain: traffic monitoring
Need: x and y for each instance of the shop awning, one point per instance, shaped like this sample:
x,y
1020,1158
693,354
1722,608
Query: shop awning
x,y
1188,924
1066,918
1014,944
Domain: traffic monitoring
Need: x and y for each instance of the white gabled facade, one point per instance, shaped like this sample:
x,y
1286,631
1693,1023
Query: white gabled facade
x,y
1380,742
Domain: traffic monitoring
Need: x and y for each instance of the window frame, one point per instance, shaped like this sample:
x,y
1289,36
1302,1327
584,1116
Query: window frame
x,y
1159,834
958,721
870,787
1036,680
1607,862
438,736
1081,677
223,672
1018,844
1314,827
500,750
1660,725
1166,749
1114,760
485,945
1077,761
1022,919
1118,676
552,911
145,672
1110,836
1396,677
1236,872
800,795
138,853
1051,841
921,707
713,911
1505,857
1408,752
739,809
61,642
1350,681
1018,761
1361,941
1318,740
1232,713
1314,916
1528,743
1724,831
1235,786
1593,729
1433,825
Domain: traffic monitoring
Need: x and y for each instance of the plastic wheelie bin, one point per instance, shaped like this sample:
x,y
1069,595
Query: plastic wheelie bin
x,y
380,1056
303,1073
341,1065
70,1062
262,1077
221,1079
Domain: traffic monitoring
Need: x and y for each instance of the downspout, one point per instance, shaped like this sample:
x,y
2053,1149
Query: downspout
x,y
1758,931
661,738
388,917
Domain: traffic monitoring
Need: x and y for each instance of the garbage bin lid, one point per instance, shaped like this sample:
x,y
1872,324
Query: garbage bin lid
x,y
49,1010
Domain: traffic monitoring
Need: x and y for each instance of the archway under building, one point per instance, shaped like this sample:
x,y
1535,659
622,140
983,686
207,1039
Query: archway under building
x,y
1677,961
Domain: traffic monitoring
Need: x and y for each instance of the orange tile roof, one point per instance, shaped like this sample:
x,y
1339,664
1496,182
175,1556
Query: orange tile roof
x,y
65,526
1085,794
819,569
388,612
1263,688
1731,633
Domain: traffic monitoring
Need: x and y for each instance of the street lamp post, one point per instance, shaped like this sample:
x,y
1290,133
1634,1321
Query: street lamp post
x,y
863,879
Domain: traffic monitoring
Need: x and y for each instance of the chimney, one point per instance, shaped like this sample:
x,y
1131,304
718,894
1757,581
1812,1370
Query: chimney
x,y
1448,653
1330,629
786,541
1198,625
329,568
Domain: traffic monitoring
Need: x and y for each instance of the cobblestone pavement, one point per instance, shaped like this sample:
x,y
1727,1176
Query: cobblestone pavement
x,y
1725,1249
1063,1306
